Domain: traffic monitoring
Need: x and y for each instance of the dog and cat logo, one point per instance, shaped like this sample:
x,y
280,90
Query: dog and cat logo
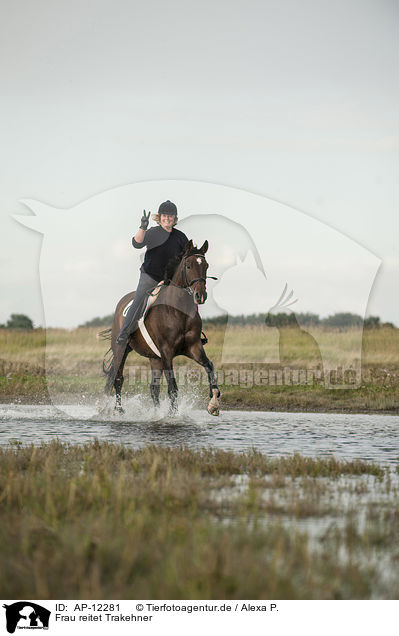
x,y
299,266
26,615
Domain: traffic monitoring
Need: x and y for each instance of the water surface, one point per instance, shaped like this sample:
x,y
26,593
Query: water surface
x,y
368,437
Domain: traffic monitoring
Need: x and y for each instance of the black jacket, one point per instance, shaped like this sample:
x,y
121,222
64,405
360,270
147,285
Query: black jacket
x,y
161,247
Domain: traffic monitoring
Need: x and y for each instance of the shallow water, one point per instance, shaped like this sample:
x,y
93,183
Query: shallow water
x,y
348,436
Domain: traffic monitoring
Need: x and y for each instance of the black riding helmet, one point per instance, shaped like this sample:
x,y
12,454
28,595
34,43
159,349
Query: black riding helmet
x,y
167,207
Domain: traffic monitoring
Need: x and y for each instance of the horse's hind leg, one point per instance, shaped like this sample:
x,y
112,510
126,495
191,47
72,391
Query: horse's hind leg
x,y
119,379
172,384
156,374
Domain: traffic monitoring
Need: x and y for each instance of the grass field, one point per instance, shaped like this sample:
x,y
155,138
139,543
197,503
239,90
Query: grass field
x,y
37,365
100,521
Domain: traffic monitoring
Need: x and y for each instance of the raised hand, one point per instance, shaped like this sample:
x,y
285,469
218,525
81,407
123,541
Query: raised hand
x,y
145,219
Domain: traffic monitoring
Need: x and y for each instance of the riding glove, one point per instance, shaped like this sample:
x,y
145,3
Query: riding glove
x,y
145,219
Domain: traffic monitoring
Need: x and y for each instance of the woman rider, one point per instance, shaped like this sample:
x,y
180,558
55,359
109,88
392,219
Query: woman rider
x,y
163,243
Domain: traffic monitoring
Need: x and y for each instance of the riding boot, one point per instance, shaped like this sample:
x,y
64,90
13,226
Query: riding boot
x,y
145,285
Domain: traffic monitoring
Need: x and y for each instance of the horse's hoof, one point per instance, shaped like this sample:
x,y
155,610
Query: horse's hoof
x,y
119,410
213,406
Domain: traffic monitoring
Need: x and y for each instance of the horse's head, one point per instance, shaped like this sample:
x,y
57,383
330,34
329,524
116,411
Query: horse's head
x,y
192,272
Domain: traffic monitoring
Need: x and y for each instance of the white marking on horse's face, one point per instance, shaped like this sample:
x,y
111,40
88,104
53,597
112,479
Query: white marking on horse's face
x,y
199,260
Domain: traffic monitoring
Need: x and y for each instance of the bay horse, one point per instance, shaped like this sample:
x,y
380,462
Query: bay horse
x,y
175,327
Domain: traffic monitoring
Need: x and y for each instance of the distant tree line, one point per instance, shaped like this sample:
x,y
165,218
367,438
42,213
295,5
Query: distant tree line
x,y
18,321
338,320
105,321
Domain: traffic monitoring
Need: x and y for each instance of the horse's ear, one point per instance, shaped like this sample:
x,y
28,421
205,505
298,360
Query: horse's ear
x,y
204,248
189,246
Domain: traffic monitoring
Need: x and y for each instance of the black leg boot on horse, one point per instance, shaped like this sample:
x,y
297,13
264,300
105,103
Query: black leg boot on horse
x,y
171,382
156,376
115,377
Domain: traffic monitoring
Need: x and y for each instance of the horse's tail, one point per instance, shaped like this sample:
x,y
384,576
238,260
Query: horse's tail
x,y
108,370
105,334
108,361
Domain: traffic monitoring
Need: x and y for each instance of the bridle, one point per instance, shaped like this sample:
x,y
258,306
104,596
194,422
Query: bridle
x,y
188,284
195,280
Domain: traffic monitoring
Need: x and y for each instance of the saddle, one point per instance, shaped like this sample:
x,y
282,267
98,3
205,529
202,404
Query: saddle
x,y
141,326
151,299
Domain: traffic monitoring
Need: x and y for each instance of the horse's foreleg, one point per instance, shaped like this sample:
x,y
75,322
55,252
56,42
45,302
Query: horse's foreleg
x,y
156,374
198,354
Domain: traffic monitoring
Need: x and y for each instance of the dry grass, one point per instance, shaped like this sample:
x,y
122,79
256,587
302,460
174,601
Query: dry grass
x,y
72,362
67,348
298,348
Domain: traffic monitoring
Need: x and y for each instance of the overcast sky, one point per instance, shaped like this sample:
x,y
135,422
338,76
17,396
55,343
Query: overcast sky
x,y
293,101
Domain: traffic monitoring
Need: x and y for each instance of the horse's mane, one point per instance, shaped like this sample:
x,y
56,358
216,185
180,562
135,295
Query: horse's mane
x,y
174,262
